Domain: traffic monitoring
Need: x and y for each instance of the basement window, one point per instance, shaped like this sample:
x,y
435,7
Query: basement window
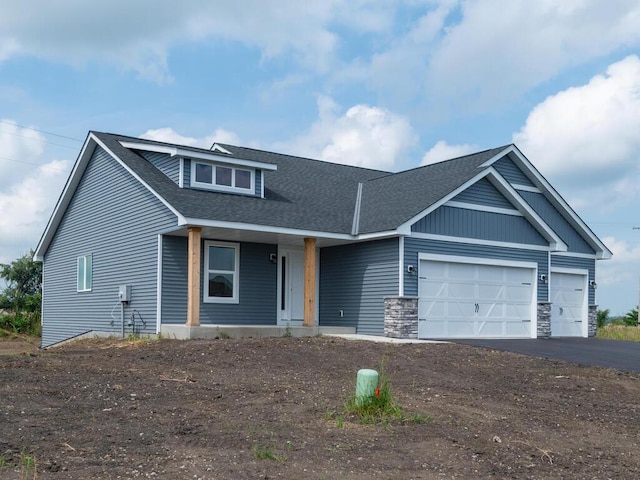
x,y
222,178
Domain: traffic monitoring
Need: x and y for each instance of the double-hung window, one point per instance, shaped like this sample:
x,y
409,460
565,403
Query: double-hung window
x,y
222,265
84,273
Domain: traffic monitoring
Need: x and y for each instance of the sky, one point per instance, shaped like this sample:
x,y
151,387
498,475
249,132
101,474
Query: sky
x,y
385,84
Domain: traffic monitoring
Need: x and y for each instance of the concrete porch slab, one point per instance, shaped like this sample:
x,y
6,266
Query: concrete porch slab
x,y
183,332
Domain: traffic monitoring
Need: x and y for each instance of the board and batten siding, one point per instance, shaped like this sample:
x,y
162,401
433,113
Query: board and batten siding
x,y
560,261
413,246
355,279
257,286
461,222
167,164
544,208
483,193
116,220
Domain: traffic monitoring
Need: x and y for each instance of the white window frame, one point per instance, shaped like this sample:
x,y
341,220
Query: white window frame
x,y
236,273
84,284
223,188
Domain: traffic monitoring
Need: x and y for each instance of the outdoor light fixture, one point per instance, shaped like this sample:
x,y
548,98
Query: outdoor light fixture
x,y
411,269
543,278
273,258
593,284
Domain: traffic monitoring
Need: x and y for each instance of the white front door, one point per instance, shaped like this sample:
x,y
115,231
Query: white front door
x,y
568,304
291,285
467,300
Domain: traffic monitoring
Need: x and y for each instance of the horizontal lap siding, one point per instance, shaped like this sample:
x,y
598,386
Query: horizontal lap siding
x,y
556,221
460,222
258,290
579,263
483,193
174,280
116,220
355,279
414,246
167,164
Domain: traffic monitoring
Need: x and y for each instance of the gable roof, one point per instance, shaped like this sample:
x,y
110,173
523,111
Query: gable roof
x,y
307,196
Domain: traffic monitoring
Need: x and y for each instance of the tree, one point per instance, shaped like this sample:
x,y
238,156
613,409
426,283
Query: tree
x,y
602,317
24,284
631,317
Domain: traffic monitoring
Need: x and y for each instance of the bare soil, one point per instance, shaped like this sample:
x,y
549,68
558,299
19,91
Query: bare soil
x,y
271,408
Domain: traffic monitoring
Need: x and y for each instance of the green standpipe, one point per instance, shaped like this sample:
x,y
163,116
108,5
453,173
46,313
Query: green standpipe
x,y
366,383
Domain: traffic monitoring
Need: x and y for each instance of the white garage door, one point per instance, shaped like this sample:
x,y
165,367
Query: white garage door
x,y
463,300
568,302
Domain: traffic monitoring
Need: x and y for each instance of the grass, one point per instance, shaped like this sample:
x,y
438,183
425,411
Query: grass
x,y
262,452
28,467
619,332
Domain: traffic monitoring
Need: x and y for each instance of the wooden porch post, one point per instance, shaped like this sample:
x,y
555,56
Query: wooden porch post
x,y
309,282
193,277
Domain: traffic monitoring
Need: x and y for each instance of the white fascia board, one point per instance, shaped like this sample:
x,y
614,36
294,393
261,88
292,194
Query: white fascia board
x,y
602,252
575,255
436,257
186,153
477,241
65,197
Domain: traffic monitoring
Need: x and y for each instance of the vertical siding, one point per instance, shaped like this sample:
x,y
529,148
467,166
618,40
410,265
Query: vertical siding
x,y
258,185
413,246
115,219
168,165
511,172
356,278
460,222
174,280
557,260
556,221
483,193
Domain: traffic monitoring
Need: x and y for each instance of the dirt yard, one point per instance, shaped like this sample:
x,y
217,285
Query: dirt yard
x,y
270,408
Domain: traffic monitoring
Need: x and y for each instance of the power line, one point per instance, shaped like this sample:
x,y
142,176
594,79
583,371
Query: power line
x,y
36,164
38,140
41,131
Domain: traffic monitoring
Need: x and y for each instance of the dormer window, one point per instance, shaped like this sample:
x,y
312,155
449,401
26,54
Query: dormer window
x,y
222,177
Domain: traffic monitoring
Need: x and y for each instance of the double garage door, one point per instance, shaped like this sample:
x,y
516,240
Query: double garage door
x,y
470,300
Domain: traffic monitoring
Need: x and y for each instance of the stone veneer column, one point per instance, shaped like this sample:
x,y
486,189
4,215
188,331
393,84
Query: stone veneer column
x,y
401,317
544,320
593,320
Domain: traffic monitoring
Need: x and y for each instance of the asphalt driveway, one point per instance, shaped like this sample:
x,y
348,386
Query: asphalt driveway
x,y
584,351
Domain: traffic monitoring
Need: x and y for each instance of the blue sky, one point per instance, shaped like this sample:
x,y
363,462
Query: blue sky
x,y
384,84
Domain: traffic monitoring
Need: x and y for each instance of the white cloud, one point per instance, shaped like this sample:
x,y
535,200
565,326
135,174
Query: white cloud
x,y
618,277
138,35
443,151
20,148
169,135
364,136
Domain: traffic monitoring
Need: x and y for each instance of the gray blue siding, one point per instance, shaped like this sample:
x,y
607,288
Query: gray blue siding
x,y
556,221
511,172
483,193
413,246
355,279
258,183
460,222
581,263
167,164
257,287
187,173
116,220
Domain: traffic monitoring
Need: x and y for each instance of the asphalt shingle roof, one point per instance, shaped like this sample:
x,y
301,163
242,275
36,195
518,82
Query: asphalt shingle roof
x,y
309,194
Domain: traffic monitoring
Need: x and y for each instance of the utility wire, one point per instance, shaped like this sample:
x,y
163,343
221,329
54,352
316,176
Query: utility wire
x,y
41,131
38,140
36,164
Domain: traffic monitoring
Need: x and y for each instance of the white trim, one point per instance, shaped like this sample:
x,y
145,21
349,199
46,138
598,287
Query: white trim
x,y
85,276
571,271
175,151
401,267
217,148
475,241
213,186
575,255
356,213
483,208
526,188
159,287
261,183
181,175
549,277
236,273
603,252
436,257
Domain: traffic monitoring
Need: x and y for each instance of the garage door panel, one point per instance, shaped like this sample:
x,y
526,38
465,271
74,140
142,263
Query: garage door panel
x,y
474,300
568,297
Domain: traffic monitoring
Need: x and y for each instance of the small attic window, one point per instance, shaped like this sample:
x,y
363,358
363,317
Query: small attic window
x,y
222,177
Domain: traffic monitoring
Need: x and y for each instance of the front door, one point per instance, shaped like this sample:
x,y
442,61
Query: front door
x,y
291,285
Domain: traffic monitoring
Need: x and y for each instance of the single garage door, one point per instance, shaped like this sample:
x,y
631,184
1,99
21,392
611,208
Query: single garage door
x,y
568,304
466,300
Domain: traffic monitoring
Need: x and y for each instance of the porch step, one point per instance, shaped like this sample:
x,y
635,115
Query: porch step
x,y
183,332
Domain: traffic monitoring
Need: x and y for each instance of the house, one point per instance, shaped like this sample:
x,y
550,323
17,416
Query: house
x,y
152,237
